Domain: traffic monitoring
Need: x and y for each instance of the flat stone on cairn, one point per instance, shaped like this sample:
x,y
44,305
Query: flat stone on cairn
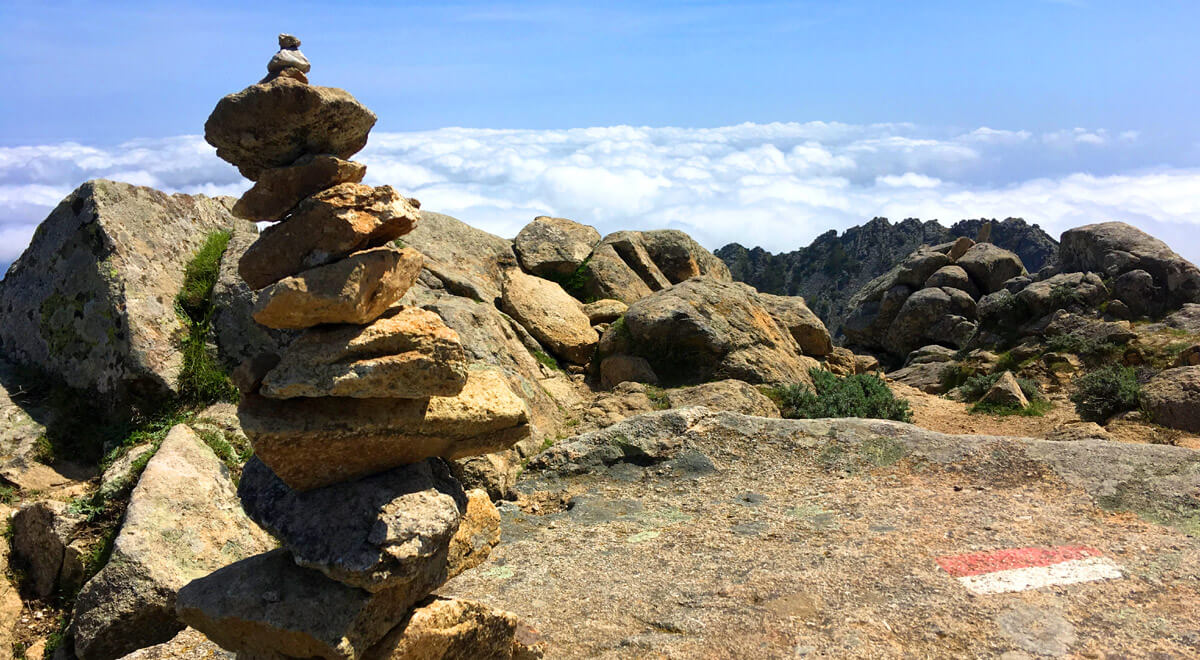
x,y
349,423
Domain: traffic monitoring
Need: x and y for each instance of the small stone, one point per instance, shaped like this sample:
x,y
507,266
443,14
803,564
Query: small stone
x,y
326,227
617,369
288,41
388,530
279,189
316,442
357,289
289,58
409,355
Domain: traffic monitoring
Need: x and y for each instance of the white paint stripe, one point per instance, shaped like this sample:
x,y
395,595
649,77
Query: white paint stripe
x,y
1021,579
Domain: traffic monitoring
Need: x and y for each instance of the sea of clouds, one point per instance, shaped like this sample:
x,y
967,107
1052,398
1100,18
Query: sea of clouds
x,y
772,185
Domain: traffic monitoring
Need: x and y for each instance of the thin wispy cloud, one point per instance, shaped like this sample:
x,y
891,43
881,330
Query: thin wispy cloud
x,y
775,185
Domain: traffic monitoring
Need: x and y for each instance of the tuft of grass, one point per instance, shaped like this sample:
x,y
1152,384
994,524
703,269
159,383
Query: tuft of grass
x,y
43,450
576,283
202,380
1106,391
8,495
1036,408
860,395
658,397
547,360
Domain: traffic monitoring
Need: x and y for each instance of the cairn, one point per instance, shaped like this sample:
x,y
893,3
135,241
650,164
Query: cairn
x,y
351,422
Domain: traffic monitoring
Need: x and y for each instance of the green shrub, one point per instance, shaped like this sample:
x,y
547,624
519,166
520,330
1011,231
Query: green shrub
x,y
978,385
1088,348
1064,296
1109,390
860,395
658,397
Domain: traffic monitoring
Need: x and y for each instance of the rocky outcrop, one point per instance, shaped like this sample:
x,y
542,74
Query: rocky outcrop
x,y
1172,398
466,261
554,247
679,257
833,267
92,299
702,330
551,315
1115,248
990,266
183,521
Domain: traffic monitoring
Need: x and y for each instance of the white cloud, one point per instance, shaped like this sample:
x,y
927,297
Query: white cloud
x,y
776,185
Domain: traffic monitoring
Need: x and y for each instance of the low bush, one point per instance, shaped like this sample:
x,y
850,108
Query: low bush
x,y
1089,349
1106,391
860,395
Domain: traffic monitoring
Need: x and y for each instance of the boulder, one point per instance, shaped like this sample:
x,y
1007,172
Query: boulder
x,y
604,311
1006,392
1066,290
496,474
1093,330
990,266
805,327
868,324
468,262
91,301
44,546
916,268
410,354
953,277
327,227
478,534
960,247
631,248
449,629
732,395
121,476
183,521
912,324
554,247
551,315
606,275
273,124
923,368
316,442
1186,318
237,335
268,607
1172,397
1136,289
703,330
625,400
189,644
386,531
357,290
1115,248
679,257
279,189
617,369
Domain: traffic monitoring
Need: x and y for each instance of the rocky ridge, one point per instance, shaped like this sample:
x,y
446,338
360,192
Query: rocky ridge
x,y
328,270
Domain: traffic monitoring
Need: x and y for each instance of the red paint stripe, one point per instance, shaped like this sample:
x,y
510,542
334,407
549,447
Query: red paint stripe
x,y
979,563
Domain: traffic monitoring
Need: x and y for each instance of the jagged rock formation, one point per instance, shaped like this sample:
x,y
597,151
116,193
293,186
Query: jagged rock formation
x,y
91,302
833,267
351,421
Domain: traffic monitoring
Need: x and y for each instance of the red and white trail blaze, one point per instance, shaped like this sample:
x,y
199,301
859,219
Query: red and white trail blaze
x,y
1019,569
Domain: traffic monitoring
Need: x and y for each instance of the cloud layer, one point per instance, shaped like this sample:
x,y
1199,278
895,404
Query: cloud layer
x,y
774,185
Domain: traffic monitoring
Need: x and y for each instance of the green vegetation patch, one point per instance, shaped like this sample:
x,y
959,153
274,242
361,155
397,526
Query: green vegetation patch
x,y
658,397
547,360
202,380
974,387
1036,408
1106,391
860,395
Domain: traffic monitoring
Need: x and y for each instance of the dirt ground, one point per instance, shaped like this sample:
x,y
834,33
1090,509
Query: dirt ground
x,y
779,555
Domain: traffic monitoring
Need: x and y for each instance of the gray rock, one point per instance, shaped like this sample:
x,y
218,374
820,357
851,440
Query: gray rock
x,y
468,262
551,315
1092,330
183,521
554,247
120,477
1186,318
386,531
1067,290
645,439
274,123
289,58
990,266
1115,248
288,41
912,325
1172,398
606,275
702,329
679,257
267,607
44,545
238,336
1073,432
1006,392
1036,629
1136,289
189,644
805,327
923,368
92,299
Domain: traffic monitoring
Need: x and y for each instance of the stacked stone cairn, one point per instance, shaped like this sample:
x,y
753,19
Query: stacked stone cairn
x,y
351,422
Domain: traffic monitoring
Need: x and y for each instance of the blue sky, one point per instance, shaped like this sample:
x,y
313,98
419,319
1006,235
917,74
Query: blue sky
x,y
762,122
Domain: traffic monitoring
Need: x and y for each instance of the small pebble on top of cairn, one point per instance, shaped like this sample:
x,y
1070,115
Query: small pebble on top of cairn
x,y
353,422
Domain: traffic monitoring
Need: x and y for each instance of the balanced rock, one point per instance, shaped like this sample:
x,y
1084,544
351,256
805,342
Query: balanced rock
x,y
183,521
326,227
289,56
954,277
268,607
279,189
450,629
316,442
274,123
410,355
357,289
392,529
551,315
554,247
